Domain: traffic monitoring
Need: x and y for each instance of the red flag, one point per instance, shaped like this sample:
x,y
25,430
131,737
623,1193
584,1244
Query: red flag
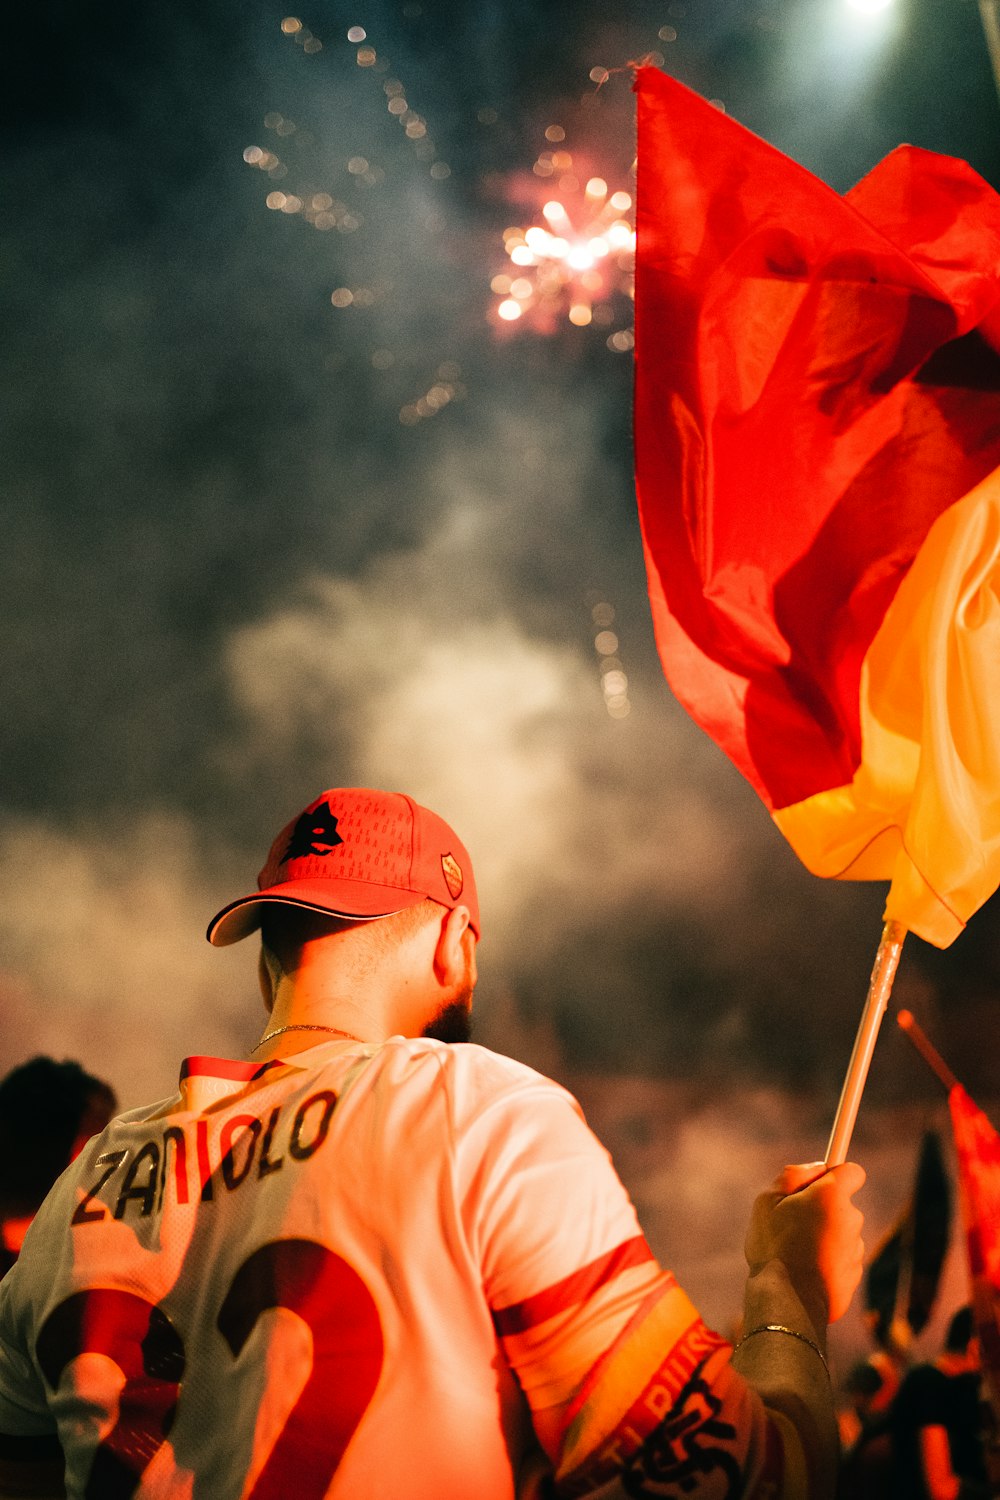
x,y
978,1149
817,430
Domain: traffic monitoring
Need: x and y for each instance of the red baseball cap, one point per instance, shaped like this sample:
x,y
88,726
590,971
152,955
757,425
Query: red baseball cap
x,y
356,852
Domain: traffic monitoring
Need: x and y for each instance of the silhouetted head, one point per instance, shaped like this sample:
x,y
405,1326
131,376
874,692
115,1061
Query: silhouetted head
x,y
48,1110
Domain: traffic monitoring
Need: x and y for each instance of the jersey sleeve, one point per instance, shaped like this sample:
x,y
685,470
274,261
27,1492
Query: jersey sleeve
x,y
597,1333
23,1409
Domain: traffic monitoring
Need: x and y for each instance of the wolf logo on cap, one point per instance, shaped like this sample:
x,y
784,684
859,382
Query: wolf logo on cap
x,y
314,833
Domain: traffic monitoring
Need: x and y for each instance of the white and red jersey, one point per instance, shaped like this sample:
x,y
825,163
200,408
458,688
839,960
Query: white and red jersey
x,y
353,1273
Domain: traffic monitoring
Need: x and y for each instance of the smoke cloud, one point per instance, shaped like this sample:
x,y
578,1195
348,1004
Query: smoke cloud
x,y
233,576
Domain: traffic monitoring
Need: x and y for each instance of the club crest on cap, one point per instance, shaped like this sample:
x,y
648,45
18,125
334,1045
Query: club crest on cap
x,y
314,833
453,877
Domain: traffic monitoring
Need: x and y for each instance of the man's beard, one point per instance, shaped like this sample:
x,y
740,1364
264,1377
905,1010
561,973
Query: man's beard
x,y
453,1022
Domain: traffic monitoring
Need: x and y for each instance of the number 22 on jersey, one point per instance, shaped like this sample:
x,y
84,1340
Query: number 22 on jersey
x,y
297,1274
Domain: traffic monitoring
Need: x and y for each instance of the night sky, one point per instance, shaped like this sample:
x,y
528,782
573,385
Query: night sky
x,y
287,505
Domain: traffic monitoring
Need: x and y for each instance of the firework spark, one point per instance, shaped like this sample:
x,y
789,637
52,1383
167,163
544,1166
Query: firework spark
x,y
575,266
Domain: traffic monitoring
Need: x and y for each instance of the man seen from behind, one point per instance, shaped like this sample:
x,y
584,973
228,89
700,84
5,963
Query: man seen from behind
x,y
370,1259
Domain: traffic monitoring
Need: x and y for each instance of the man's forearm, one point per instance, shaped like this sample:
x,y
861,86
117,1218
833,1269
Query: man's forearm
x,y
787,1372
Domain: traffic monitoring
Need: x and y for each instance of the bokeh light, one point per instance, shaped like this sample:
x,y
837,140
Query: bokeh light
x,y
613,678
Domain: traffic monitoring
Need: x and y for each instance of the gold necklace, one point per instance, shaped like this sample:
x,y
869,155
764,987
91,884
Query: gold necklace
x,y
305,1026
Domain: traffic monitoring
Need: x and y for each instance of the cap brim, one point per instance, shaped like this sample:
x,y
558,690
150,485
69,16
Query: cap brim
x,y
354,900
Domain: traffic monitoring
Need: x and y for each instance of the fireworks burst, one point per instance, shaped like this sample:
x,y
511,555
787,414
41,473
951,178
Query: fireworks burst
x,y
577,265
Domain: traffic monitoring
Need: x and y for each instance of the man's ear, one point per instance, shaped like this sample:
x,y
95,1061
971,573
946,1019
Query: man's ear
x,y
455,947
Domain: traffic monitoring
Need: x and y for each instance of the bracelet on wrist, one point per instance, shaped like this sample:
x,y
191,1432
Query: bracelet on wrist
x,y
792,1334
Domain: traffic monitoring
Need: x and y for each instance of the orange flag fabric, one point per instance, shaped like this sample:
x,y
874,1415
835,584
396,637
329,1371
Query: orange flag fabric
x,y
977,1147
817,441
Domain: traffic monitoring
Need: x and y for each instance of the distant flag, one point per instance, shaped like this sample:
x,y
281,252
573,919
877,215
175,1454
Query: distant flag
x,y
817,429
881,1287
901,1282
977,1146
